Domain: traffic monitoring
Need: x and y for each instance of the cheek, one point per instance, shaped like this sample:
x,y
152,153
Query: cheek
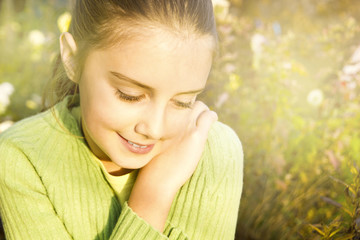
x,y
118,117
177,123
102,109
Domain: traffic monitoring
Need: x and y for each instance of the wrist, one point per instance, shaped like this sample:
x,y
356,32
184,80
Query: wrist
x,y
152,201
160,178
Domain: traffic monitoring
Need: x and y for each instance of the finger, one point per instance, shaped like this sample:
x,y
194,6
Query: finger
x,y
197,108
205,120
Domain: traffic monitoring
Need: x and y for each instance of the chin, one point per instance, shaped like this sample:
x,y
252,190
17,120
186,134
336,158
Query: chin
x,y
131,163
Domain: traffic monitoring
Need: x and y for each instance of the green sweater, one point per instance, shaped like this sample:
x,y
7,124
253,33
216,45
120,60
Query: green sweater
x,y
53,187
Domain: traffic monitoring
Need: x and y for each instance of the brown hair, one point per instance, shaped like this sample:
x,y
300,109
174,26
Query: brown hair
x,y
104,23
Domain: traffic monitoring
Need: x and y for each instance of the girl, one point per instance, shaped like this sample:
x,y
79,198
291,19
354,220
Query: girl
x,y
125,151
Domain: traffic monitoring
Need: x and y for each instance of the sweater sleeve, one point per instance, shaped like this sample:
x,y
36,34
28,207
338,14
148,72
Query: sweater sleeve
x,y
25,209
131,226
226,186
206,207
28,213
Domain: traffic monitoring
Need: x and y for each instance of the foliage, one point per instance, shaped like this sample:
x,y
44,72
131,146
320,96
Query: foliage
x,y
286,78
347,224
290,91
28,43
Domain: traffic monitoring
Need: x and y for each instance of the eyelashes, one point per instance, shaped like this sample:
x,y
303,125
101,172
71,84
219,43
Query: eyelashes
x,y
132,99
129,98
183,105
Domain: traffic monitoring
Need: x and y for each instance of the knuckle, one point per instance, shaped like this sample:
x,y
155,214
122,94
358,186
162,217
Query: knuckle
x,y
199,106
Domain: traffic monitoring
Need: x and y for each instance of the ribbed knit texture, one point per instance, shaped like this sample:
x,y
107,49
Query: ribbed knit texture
x,y
51,187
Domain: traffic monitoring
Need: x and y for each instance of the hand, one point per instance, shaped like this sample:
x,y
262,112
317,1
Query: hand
x,y
171,169
158,181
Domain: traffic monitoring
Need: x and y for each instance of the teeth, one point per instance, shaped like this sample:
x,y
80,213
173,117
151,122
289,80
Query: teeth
x,y
135,145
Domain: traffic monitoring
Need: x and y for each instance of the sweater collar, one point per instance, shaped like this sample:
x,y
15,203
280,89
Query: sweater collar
x,y
68,115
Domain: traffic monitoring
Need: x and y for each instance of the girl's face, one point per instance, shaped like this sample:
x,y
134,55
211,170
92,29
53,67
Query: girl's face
x,y
137,97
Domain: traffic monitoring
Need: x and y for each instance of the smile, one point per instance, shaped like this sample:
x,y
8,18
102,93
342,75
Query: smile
x,y
136,147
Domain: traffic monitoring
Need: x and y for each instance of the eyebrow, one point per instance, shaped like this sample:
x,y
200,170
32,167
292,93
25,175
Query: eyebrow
x,y
127,79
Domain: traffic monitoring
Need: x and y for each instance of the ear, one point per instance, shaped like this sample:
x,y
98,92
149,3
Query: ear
x,y
68,51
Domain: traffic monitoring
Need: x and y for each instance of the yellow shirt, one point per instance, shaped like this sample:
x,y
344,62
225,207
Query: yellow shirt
x,y
121,185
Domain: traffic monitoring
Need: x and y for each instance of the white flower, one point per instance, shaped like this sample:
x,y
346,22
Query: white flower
x,y
352,69
36,38
221,8
315,97
356,55
63,22
6,89
5,125
287,65
221,3
345,78
4,101
257,42
351,85
222,99
229,68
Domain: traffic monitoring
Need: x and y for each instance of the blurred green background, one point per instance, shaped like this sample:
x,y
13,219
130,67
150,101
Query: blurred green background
x,y
286,79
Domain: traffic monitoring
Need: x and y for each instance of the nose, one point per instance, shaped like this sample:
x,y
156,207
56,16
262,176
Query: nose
x,y
152,123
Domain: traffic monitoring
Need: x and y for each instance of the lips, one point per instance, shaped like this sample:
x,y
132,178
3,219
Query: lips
x,y
136,147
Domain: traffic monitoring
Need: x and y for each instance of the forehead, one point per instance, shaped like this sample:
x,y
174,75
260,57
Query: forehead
x,y
162,61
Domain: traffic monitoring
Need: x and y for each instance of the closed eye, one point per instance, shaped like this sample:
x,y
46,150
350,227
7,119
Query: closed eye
x,y
129,98
183,104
